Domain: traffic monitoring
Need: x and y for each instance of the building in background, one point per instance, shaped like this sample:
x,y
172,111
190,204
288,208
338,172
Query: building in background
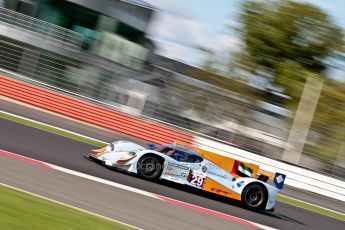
x,y
114,29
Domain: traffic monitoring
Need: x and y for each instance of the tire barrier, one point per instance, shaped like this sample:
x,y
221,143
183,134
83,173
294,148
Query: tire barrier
x,y
91,113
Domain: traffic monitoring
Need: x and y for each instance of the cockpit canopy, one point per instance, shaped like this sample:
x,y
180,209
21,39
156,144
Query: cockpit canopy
x,y
179,153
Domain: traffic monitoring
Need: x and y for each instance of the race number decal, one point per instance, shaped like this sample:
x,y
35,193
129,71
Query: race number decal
x,y
197,180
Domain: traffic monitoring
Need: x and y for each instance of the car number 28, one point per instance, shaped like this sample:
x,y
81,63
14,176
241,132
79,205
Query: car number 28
x,y
197,180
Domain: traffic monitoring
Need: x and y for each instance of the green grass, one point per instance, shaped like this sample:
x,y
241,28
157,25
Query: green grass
x,y
311,207
281,198
19,210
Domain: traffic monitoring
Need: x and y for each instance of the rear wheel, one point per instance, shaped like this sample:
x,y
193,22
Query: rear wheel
x,y
254,196
149,167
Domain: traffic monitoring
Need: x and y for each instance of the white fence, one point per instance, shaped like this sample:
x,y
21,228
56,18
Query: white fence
x,y
295,176
41,28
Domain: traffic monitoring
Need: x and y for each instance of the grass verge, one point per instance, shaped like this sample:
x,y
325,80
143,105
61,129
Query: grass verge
x,y
78,137
19,210
311,207
51,129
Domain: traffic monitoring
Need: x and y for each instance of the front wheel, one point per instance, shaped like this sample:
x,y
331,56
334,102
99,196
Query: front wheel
x,y
149,167
254,196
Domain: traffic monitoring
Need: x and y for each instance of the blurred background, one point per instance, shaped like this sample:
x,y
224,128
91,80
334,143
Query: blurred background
x,y
265,76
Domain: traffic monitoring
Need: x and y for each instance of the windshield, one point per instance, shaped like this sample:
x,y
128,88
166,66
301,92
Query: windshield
x,y
179,153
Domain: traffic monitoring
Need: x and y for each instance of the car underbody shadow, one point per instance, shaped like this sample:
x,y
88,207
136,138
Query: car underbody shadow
x,y
281,217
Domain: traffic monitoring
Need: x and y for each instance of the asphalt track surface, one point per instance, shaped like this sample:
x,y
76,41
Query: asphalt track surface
x,y
118,204
106,135
68,153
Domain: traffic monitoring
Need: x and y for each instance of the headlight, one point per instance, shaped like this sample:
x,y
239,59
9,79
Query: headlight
x,y
97,154
127,157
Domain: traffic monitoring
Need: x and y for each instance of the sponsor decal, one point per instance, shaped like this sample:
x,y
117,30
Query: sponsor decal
x,y
170,170
245,170
240,183
217,190
241,169
217,173
204,169
184,174
195,167
178,166
177,171
279,180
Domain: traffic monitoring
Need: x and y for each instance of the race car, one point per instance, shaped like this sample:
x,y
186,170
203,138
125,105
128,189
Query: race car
x,y
196,168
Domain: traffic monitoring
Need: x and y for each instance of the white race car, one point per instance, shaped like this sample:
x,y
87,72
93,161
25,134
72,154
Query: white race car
x,y
180,164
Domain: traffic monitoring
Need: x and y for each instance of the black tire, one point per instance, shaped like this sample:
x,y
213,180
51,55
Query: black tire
x,y
150,167
254,196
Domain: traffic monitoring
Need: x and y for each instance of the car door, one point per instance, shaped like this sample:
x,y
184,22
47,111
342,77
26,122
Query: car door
x,y
177,167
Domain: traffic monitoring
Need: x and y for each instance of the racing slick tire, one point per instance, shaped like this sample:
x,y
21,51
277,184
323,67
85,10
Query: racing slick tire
x,y
254,196
150,167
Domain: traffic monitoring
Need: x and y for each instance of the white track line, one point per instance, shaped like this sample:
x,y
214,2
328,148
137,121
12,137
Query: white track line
x,y
149,194
103,181
135,190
